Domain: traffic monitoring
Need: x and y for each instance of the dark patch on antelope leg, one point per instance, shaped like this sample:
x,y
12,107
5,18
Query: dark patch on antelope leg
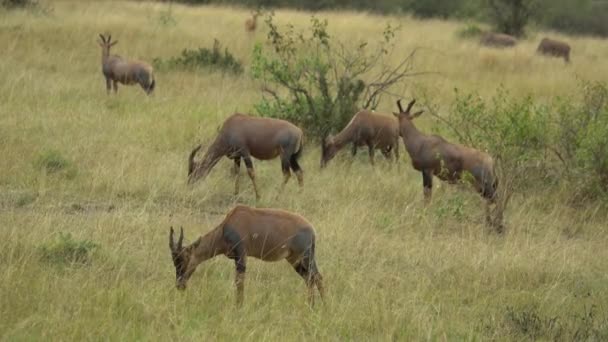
x,y
354,149
370,146
427,184
295,166
251,172
236,252
236,171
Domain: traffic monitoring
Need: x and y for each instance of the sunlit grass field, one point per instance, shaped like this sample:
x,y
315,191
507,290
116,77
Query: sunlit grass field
x,y
394,269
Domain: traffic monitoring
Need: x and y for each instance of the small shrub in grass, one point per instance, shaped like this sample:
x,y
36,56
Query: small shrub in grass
x,y
471,31
53,162
67,250
213,58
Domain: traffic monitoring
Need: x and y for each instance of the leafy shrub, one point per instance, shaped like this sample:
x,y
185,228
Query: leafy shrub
x,y
67,250
51,161
318,82
203,58
470,31
582,138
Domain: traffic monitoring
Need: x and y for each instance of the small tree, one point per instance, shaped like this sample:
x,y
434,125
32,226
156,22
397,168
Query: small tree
x,y
511,16
318,82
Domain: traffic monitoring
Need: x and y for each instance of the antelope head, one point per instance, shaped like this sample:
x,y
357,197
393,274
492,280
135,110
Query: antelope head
x,y
193,166
328,150
106,43
407,114
181,259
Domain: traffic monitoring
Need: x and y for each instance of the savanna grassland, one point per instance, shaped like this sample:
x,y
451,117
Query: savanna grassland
x,y
112,170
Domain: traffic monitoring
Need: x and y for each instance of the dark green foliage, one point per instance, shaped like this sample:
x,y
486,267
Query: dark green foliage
x,y
214,59
17,3
319,83
510,16
66,250
470,31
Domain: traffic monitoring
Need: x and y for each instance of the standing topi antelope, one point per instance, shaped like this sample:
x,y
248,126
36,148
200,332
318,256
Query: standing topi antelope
x,y
242,137
266,234
433,155
498,40
366,128
550,47
117,69
252,23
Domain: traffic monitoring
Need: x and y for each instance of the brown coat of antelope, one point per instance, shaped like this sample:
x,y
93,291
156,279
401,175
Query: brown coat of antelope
x,y
433,155
498,40
119,70
266,234
252,23
550,47
366,128
242,137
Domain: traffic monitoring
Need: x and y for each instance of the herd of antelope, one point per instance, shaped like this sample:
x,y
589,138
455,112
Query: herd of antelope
x,y
275,234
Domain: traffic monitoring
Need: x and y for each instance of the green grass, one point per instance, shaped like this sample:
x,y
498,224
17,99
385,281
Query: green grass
x,y
394,269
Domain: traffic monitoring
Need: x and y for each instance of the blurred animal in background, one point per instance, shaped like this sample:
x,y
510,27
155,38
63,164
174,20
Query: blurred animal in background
x,y
252,23
554,48
499,40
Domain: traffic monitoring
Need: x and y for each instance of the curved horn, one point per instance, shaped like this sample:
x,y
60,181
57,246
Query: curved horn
x,y
399,106
109,37
191,159
181,238
103,39
171,241
410,105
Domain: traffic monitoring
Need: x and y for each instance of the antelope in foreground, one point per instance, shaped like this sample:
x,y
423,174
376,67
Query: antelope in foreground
x,y
366,128
498,40
242,137
433,155
550,47
252,23
266,234
119,70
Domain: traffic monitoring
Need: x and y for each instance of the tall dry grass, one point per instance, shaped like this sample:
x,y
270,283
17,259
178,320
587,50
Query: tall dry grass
x,y
394,268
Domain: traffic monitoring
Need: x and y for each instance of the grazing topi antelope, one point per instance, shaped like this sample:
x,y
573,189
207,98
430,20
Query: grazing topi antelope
x,y
498,40
555,48
119,70
242,137
433,155
366,128
266,234
252,23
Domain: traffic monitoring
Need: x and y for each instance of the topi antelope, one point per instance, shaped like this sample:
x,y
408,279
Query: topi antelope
x,y
366,128
117,69
266,234
242,137
433,155
498,40
252,23
550,47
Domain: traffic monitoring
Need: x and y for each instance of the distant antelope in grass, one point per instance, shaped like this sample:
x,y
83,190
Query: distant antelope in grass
x,y
242,137
499,40
252,23
555,48
366,128
119,70
433,155
266,234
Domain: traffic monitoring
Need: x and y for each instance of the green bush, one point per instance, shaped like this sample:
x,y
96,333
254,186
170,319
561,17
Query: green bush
x,y
52,161
470,31
66,250
17,3
317,82
203,58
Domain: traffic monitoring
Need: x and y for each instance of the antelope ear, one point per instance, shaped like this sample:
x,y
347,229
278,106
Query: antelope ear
x,y
417,114
114,43
396,115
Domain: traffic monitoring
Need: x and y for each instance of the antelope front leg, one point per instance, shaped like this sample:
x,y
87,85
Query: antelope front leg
x,y
239,281
285,165
427,183
371,153
237,173
251,173
108,86
115,83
